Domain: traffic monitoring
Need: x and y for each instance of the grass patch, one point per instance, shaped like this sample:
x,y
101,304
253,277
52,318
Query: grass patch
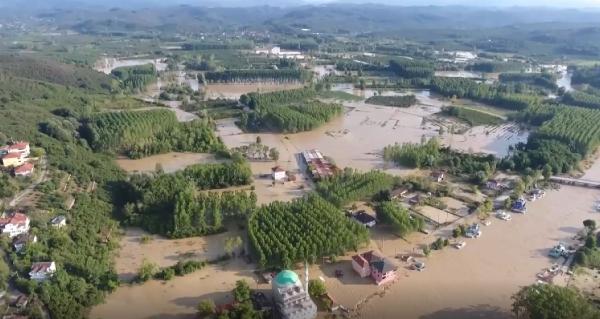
x,y
339,95
473,117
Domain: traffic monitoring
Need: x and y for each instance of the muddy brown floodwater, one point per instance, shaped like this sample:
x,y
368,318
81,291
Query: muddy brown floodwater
x,y
170,162
356,138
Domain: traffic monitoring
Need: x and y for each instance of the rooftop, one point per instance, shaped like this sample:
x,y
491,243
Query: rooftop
x,y
286,277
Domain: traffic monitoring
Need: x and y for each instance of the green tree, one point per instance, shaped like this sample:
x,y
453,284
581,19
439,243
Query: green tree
x,y
146,271
274,154
206,308
551,302
241,293
590,224
232,243
316,288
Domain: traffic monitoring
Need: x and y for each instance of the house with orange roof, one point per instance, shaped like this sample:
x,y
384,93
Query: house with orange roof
x,y
24,170
41,271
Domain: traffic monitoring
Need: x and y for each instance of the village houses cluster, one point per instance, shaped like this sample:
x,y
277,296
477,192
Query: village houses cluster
x,y
15,157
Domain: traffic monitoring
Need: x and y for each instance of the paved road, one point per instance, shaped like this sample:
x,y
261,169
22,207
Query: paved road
x,y
24,193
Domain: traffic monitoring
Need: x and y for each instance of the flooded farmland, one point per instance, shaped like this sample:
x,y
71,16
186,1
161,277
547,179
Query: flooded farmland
x,y
357,138
169,162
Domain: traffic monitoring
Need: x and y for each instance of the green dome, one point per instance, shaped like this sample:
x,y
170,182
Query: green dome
x,y
286,277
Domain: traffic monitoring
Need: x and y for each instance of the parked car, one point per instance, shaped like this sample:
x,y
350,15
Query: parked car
x,y
418,265
503,215
460,245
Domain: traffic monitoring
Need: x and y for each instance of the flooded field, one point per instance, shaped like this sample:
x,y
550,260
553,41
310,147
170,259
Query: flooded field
x,y
170,162
474,282
357,138
234,91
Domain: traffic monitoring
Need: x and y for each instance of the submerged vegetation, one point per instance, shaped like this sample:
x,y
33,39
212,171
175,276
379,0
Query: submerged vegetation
x,y
397,101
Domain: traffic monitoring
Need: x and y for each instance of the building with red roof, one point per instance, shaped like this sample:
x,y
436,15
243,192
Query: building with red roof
x,y
41,271
14,224
24,170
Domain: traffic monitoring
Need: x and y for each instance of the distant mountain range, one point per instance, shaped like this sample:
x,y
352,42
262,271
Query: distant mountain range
x,y
334,17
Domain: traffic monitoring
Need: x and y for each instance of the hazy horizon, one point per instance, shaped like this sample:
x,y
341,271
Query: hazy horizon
x,y
579,4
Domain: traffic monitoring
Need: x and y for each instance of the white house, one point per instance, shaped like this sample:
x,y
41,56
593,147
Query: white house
x,y
59,221
22,240
14,224
42,270
17,147
279,174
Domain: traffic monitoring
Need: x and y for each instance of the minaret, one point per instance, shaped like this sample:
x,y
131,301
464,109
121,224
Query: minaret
x,y
305,275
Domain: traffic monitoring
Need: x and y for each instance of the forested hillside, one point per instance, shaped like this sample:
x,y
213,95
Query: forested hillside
x,y
49,71
84,250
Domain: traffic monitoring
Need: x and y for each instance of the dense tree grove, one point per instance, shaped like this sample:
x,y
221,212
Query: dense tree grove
x,y
135,78
351,185
582,99
413,155
304,229
495,66
407,68
291,118
587,75
576,127
352,65
545,80
168,204
141,133
397,101
255,100
432,155
237,45
287,111
254,75
398,217
552,302
500,96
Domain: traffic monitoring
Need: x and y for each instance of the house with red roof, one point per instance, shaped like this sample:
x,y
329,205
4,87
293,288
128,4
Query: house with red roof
x,y
19,147
41,271
14,224
24,170
381,269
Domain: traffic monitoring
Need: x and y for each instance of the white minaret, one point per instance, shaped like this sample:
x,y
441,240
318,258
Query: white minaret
x,y
305,275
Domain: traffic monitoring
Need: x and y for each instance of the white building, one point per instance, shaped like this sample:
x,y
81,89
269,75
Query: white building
x,y
59,221
291,300
42,270
278,52
279,174
14,224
